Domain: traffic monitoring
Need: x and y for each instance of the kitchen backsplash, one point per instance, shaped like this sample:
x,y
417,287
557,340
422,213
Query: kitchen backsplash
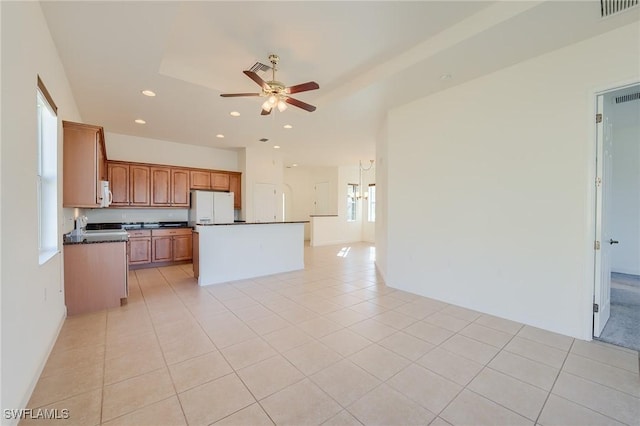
x,y
136,215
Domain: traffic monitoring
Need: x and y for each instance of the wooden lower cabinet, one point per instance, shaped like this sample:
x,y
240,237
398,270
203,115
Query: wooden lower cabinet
x,y
161,249
196,255
95,276
182,247
170,245
139,247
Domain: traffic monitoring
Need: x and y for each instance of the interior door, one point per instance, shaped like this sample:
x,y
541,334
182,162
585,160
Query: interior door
x,y
264,202
604,161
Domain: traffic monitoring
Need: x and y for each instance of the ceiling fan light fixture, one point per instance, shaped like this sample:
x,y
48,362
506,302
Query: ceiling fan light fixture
x,y
267,106
282,106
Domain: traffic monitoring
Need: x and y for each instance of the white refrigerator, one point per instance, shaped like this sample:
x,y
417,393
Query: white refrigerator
x,y
211,207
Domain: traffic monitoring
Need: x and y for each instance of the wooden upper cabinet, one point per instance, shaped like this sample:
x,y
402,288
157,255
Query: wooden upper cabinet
x,y
200,179
180,187
236,188
160,186
220,181
139,185
129,184
84,164
169,187
118,176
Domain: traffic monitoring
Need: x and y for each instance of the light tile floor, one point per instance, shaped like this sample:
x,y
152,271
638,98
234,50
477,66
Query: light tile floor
x,y
330,344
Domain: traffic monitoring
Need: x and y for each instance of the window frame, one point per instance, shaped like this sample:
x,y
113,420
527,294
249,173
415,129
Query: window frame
x,y
352,202
47,174
371,203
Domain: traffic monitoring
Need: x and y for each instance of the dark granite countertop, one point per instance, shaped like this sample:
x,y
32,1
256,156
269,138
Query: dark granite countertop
x,y
91,239
253,223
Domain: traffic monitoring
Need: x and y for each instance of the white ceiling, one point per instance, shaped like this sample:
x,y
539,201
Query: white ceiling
x,y
366,57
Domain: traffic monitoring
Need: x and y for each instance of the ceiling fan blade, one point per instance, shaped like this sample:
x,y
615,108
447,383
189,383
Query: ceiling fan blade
x,y
265,112
300,104
255,77
310,85
235,95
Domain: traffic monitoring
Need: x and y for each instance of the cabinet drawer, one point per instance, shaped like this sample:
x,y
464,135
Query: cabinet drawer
x,y
139,233
171,232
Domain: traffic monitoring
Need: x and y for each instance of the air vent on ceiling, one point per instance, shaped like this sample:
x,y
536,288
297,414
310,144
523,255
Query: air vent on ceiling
x,y
611,7
627,98
259,66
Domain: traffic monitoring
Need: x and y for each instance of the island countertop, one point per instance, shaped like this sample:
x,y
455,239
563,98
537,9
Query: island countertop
x,y
249,223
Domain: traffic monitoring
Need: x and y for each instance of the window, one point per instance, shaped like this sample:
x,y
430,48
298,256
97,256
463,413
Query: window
x,y
47,178
352,199
372,203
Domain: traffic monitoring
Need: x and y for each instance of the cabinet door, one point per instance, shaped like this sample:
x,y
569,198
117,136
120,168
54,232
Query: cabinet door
x,y
200,179
182,247
118,175
220,181
236,188
196,255
161,249
101,165
180,187
95,276
160,186
139,250
139,189
80,178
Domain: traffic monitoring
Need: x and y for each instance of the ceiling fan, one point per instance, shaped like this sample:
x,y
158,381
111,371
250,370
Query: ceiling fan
x,y
277,93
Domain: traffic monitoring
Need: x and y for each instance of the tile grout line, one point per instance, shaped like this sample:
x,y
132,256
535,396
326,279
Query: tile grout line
x,y
465,387
553,385
155,332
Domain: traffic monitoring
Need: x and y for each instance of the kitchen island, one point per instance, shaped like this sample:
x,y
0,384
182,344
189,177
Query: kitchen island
x,y
95,271
236,251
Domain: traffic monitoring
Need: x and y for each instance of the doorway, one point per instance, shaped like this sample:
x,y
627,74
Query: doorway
x,y
264,202
616,316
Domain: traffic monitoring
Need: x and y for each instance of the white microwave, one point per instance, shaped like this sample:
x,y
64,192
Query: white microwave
x,y
106,197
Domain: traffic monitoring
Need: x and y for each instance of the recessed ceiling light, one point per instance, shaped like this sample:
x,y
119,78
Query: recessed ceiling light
x,y
234,114
263,139
276,147
140,121
288,126
294,165
445,77
219,136
149,93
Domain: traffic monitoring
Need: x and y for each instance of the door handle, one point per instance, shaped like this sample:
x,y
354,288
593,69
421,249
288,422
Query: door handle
x,y
612,241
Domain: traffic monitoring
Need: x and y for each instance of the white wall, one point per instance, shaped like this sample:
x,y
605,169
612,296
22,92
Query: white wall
x,y
625,222
32,295
489,191
155,151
